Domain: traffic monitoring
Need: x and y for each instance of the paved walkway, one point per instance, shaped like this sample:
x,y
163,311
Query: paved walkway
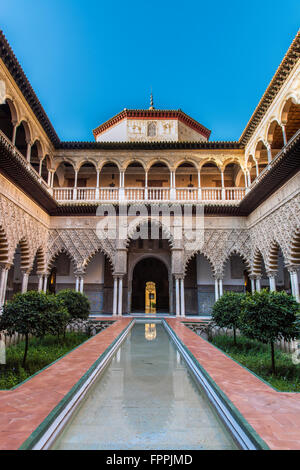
x,y
275,416
23,409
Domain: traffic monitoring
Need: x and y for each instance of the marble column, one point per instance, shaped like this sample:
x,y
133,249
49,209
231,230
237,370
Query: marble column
x,y
216,290
172,185
272,282
146,185
269,153
75,186
257,284
177,297
182,299
121,186
40,285
252,279
28,151
115,295
45,283
81,284
284,134
25,282
171,310
220,287
295,283
3,284
97,184
248,178
76,283
223,185
15,125
120,299
199,186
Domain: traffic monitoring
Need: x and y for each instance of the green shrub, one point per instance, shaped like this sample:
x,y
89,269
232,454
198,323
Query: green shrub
x,y
256,357
33,313
41,352
269,317
226,311
76,303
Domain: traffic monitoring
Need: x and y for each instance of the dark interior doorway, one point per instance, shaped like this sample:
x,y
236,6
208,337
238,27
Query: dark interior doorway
x,y
150,269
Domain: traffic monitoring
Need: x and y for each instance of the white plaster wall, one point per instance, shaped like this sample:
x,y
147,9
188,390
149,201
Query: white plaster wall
x,y
185,133
118,133
137,130
67,279
95,270
204,272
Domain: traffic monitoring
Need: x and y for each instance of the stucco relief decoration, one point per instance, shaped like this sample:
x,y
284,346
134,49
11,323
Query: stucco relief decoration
x,y
18,225
80,244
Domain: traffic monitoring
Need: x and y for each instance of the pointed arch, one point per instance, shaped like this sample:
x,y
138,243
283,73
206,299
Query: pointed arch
x,y
258,260
25,262
93,253
205,255
237,252
294,249
40,260
138,222
4,251
56,254
273,254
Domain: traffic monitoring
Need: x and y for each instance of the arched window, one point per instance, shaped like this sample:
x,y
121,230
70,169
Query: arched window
x,y
151,129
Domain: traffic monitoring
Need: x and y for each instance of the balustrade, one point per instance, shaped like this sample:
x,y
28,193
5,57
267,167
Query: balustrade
x,y
131,194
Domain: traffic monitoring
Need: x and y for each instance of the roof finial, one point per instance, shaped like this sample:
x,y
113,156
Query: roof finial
x,y
151,100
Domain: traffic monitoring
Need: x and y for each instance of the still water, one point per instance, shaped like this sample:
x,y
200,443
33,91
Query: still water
x,y
145,399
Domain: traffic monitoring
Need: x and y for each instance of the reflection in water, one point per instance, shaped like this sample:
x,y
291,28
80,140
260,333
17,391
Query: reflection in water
x,y
145,399
150,331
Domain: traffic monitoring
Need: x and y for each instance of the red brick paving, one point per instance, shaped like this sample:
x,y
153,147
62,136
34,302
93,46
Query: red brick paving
x,y
274,415
22,410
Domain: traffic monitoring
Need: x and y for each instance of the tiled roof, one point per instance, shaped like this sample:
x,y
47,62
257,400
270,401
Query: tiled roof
x,y
15,69
153,114
269,95
150,145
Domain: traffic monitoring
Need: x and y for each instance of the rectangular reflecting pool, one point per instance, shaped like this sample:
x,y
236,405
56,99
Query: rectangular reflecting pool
x,y
146,398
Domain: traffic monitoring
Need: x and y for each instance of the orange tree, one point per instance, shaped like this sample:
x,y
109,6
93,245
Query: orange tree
x,y
226,311
33,313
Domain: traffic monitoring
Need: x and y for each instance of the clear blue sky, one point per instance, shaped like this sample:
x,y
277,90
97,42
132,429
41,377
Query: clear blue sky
x,y
87,60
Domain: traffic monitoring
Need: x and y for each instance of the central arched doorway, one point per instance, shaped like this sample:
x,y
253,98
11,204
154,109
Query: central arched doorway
x,y
150,270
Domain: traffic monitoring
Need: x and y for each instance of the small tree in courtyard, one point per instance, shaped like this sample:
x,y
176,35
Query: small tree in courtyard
x,y
32,313
226,311
76,303
269,317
